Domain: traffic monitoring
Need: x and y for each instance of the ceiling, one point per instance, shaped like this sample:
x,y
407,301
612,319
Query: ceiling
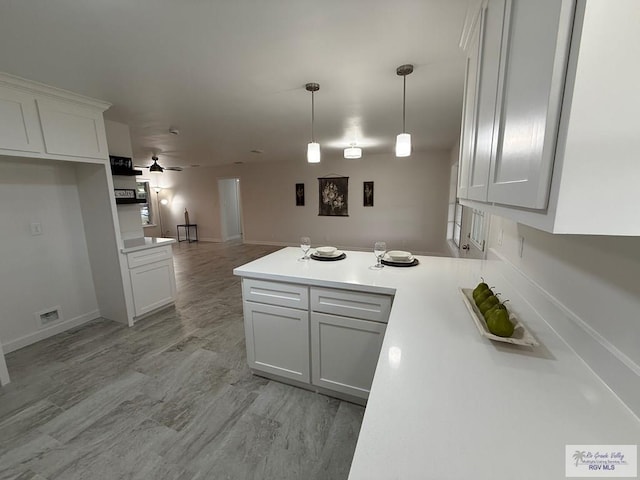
x,y
230,74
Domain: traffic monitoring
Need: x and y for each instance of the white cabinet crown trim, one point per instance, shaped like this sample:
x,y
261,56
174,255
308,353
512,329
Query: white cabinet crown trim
x,y
42,90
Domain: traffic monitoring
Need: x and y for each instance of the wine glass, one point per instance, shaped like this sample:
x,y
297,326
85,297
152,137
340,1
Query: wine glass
x,y
379,249
305,245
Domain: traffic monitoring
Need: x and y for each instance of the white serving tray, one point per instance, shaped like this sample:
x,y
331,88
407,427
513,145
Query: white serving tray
x,y
521,336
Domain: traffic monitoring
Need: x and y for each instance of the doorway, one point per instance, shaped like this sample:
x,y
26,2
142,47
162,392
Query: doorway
x,y
230,209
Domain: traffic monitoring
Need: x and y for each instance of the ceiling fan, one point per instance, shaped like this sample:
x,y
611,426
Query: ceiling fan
x,y
155,166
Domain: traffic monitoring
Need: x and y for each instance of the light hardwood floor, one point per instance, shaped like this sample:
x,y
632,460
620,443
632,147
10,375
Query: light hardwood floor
x,y
170,398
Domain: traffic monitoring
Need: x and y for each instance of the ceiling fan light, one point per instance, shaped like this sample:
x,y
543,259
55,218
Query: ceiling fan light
x,y
353,152
154,166
313,152
403,145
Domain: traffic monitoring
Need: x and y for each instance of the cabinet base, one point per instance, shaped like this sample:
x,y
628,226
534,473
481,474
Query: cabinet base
x,y
155,310
312,388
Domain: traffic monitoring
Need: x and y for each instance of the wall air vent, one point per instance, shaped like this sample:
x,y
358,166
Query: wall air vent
x,y
49,316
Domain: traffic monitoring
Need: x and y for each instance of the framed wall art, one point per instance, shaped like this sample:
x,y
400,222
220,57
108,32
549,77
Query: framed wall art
x,y
299,194
333,196
367,194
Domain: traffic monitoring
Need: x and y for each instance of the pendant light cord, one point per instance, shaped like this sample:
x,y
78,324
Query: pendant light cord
x,y
404,101
312,116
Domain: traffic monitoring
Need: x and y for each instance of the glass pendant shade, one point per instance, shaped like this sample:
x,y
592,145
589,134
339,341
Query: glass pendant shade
x,y
313,152
353,152
403,145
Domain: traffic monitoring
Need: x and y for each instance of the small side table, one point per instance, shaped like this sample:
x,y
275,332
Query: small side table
x,y
187,232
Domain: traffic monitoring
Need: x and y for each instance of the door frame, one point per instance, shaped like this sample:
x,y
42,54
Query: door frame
x,y
223,229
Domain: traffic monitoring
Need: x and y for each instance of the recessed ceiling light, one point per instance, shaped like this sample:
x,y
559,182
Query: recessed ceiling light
x,y
238,163
174,131
195,166
258,151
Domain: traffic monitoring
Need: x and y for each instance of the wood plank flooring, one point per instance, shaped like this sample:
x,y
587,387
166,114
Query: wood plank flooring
x,y
170,398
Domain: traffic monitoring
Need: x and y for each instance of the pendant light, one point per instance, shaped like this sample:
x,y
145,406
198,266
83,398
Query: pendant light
x,y
403,141
313,148
353,151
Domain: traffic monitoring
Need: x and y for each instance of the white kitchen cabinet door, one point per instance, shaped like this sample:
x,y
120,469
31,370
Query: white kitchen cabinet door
x,y
469,104
72,130
531,84
483,48
344,353
19,124
153,286
490,44
277,340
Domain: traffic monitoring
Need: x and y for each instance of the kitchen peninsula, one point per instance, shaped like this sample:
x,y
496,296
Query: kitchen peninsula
x,y
447,403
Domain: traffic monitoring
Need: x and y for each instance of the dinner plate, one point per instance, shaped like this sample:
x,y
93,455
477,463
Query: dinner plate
x,y
391,263
325,258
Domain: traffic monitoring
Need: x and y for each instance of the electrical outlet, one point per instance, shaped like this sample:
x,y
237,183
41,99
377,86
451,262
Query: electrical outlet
x,y
36,228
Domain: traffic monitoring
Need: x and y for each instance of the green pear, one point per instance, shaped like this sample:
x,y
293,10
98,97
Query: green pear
x,y
499,324
490,302
500,306
480,288
481,297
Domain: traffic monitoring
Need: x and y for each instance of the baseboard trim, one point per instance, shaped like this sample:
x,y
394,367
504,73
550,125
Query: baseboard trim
x,y
613,367
34,337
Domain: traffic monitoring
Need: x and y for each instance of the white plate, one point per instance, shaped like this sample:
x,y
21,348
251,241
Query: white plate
x,y
400,260
337,253
521,336
400,256
329,252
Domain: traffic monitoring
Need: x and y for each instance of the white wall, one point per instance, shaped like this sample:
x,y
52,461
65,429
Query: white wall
x,y
119,143
43,271
410,206
596,277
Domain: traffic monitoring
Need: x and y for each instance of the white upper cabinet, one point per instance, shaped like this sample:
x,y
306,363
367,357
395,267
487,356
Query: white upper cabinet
x,y
561,154
19,124
531,83
71,129
467,133
44,122
483,48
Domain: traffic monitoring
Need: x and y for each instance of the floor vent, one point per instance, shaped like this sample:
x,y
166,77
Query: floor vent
x,y
49,316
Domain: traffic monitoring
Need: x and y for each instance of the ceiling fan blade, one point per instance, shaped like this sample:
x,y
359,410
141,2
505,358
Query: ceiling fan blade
x,y
176,169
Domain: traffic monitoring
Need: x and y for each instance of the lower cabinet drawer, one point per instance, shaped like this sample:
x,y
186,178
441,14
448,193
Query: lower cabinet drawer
x,y
277,340
344,353
149,255
368,306
275,293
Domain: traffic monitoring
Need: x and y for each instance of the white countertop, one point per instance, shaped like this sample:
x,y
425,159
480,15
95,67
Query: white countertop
x,y
447,403
134,244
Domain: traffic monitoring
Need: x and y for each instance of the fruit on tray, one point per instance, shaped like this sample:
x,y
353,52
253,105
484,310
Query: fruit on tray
x,y
499,324
488,303
500,306
480,288
482,296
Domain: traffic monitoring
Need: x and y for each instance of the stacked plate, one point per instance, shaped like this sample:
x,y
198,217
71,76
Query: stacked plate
x,y
399,258
328,254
